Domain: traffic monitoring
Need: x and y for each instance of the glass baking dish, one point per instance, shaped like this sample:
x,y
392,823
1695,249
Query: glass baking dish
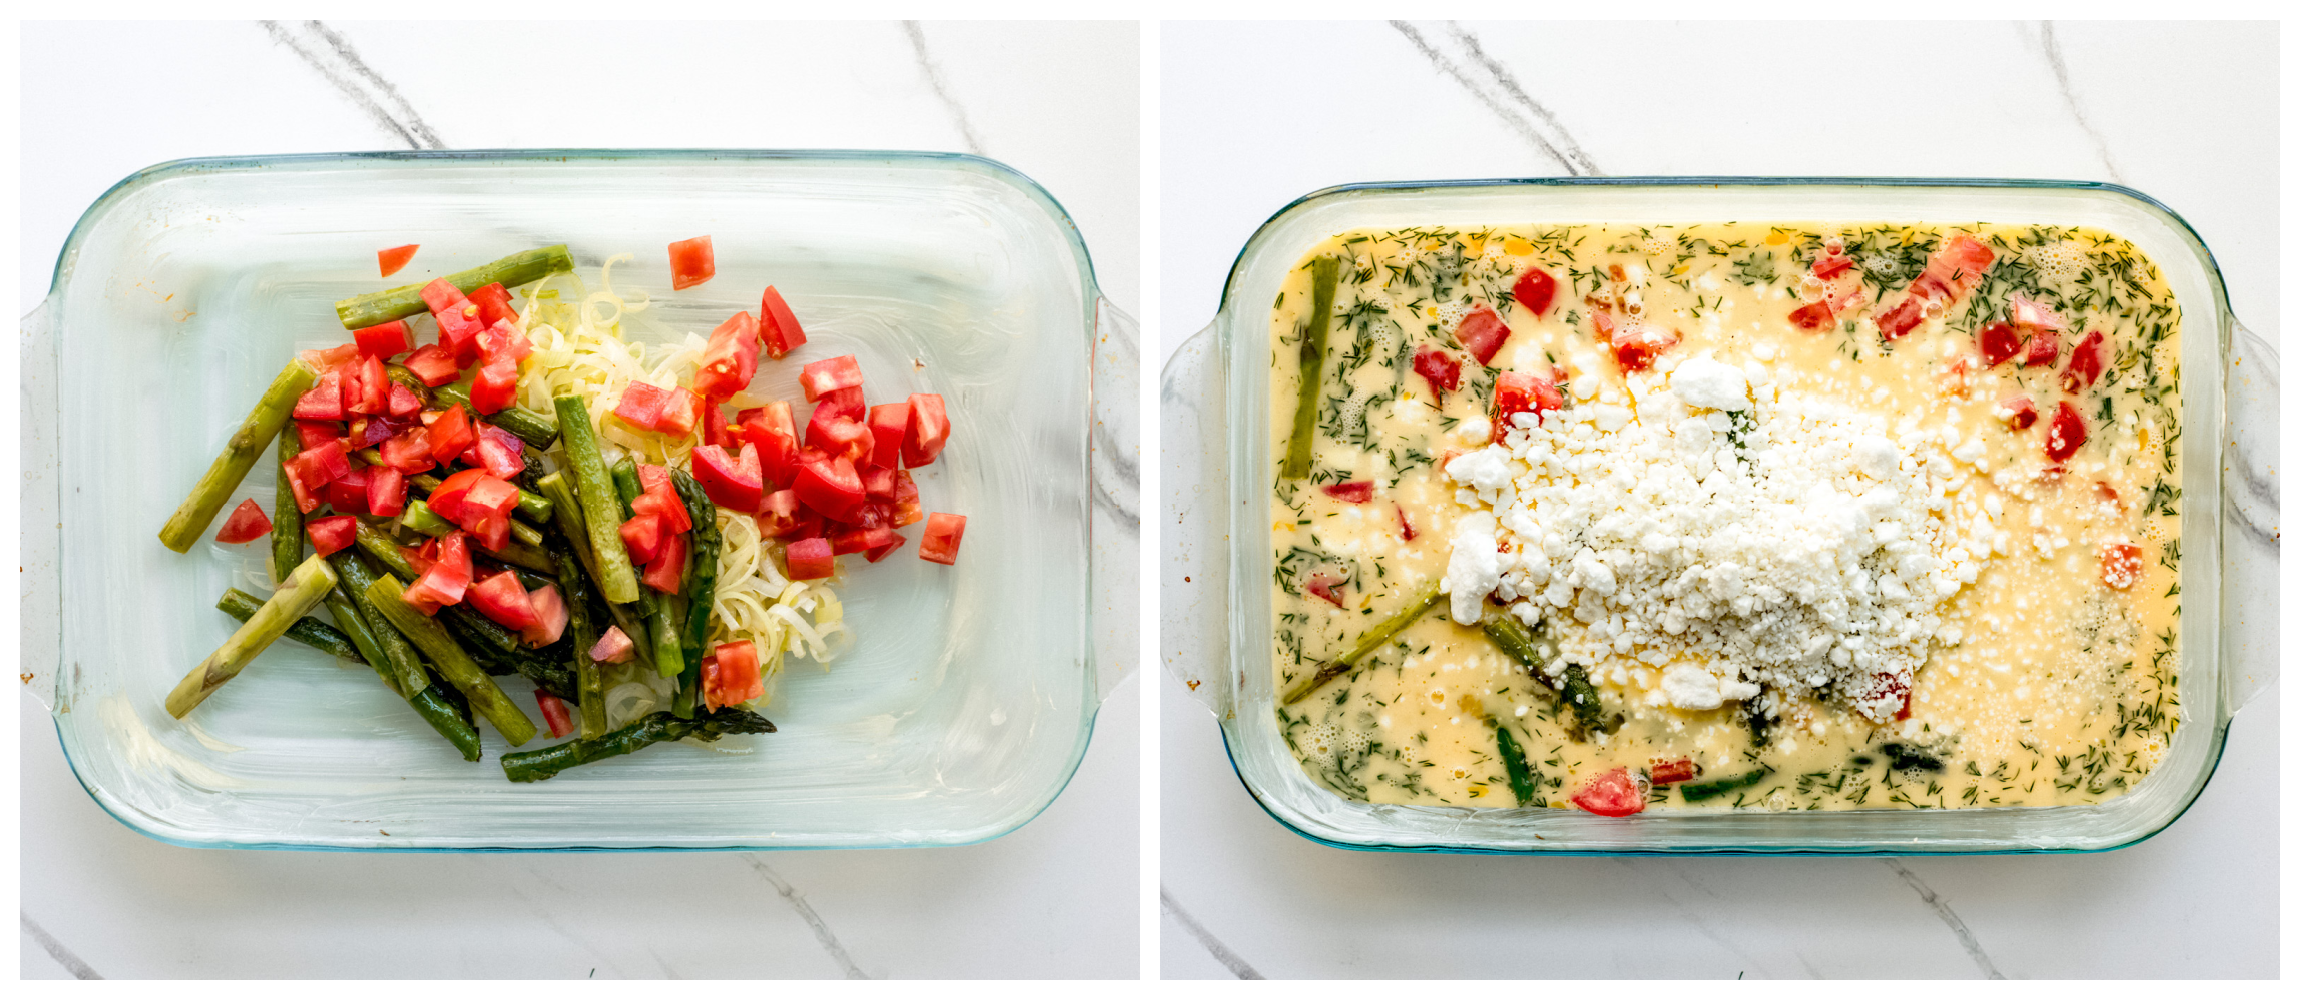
x,y
959,714
1215,614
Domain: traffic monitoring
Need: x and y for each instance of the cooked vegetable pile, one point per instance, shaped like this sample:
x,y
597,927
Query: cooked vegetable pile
x,y
468,536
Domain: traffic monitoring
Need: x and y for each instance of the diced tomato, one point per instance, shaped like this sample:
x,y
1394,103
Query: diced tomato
x,y
878,482
348,493
731,677
1674,771
2066,435
311,434
1534,290
940,543
1951,272
488,496
777,327
929,430
835,406
642,405
2084,363
2018,412
323,401
678,413
1998,343
732,483
614,647
440,293
1482,333
781,515
663,502
445,580
643,538
769,427
410,452
391,260
1405,524
451,435
498,451
374,431
842,372
434,365
2043,349
500,597
669,567
1325,587
1636,343
711,423
1440,368
2031,315
878,552
692,263
383,339
809,559
1896,322
848,439
386,491
1813,316
1521,392
247,523
496,386
405,404
730,360
447,499
459,330
494,302
861,540
1613,793
888,423
1359,491
1829,265
555,715
330,535
502,340
321,465
550,615
374,389
654,478
828,484
2121,564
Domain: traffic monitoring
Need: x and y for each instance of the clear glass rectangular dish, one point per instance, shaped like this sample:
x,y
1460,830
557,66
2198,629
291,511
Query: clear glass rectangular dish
x,y
1216,616
961,711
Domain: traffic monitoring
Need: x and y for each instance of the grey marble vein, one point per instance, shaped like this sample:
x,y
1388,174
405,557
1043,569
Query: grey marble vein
x,y
332,55
806,912
2050,42
56,949
1497,88
1206,939
933,71
1948,916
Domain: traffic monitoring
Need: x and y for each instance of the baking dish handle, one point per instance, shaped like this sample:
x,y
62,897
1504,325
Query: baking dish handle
x,y
2250,537
1194,592
40,629
1117,470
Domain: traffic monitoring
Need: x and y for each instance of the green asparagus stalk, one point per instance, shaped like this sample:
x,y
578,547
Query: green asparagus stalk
x,y
1533,651
406,376
1581,696
533,428
455,665
1375,638
1323,273
590,679
661,727
384,551
310,631
569,517
596,492
430,702
299,593
190,521
522,553
436,709
1513,761
1702,790
662,620
399,656
287,517
420,517
702,582
362,311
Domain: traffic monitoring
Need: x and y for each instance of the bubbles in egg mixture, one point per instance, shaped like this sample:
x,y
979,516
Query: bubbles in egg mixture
x,y
1657,245
2063,260
1325,741
1449,314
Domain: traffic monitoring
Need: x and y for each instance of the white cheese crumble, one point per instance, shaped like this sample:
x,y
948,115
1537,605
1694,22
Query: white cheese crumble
x,y
1474,569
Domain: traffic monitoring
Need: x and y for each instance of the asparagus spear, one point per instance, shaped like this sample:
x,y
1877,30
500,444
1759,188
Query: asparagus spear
x,y
1522,645
455,665
299,593
430,702
661,727
384,551
362,311
398,656
596,492
1700,790
1588,711
662,633
287,517
1375,638
590,680
190,521
1323,272
702,582
310,631
569,517
419,517
406,376
449,718
533,428
1513,761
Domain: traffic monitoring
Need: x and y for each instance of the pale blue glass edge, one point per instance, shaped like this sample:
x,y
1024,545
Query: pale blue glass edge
x,y
2220,298
1089,293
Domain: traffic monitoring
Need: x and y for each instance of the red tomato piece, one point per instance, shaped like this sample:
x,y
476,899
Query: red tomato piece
x,y
692,263
848,439
2084,363
777,327
451,435
940,543
348,494
855,540
247,523
1441,369
2018,412
554,714
307,499
2121,564
663,502
678,413
643,538
2043,349
1896,322
550,614
1405,524
769,428
655,478
1812,316
323,401
498,451
888,423
1998,343
809,559
669,567
837,405
374,394
444,581
929,430
447,498
1482,333
386,491
488,496
1534,290
434,365
828,484
1637,343
494,302
1674,771
330,535
404,402
311,433
878,482
732,483
383,339
877,553
502,340
501,598
731,676
1613,793
641,405
410,452
2066,435
614,647
730,360
781,515
440,293
391,260
319,466
1352,492
496,386
1325,587
842,372
1521,392
1830,265
459,330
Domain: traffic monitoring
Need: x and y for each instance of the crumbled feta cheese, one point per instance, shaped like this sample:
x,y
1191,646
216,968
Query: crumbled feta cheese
x,y
1474,569
1712,384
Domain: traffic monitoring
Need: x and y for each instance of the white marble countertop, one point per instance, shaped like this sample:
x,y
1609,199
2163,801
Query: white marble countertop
x,y
1059,897
1253,116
